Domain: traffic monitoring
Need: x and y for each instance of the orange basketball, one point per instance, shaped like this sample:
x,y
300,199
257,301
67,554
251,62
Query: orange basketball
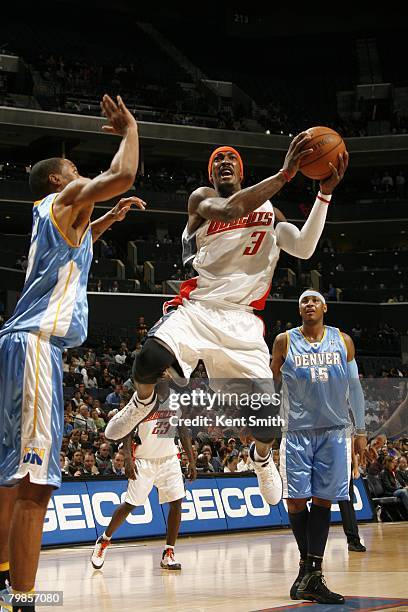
x,y
326,145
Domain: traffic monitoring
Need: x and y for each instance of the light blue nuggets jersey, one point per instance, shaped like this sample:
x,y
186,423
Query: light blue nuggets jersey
x,y
54,300
315,382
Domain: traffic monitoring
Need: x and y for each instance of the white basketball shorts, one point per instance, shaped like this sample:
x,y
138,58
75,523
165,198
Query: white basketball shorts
x,y
165,474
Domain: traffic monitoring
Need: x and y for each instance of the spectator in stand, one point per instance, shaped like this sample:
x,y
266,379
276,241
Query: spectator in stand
x,y
76,401
86,444
83,420
98,420
68,420
72,378
245,464
103,457
109,356
232,462
76,463
89,468
400,182
89,377
117,467
203,465
113,399
74,442
387,182
391,485
213,461
120,357
402,471
64,463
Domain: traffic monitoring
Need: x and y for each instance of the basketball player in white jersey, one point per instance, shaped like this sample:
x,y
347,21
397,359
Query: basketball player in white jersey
x,y
233,245
155,462
51,314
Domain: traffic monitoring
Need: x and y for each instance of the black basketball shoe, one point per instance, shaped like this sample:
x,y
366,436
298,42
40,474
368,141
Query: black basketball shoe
x,y
314,588
295,585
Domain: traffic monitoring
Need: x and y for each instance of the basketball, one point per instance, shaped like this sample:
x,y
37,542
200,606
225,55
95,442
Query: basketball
x,y
326,145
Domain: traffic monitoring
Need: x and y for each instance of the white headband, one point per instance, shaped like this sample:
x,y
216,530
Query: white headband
x,y
310,292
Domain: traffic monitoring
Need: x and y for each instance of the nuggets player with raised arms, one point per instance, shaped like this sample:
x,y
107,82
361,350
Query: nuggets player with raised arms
x,y
51,314
233,246
320,384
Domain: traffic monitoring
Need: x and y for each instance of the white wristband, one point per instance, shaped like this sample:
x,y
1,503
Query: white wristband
x,y
324,197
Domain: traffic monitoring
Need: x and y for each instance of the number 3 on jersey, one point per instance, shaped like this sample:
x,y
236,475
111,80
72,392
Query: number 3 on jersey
x,y
253,248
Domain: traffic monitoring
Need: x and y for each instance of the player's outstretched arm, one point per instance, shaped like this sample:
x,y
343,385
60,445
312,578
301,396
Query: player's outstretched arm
x,y
117,213
122,172
302,243
356,398
204,202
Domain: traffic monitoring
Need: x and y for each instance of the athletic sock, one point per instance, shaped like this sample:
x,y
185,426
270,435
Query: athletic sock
x,y
258,457
317,533
105,537
298,521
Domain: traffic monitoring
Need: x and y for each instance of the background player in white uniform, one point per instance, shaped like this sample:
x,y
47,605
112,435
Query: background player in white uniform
x,y
52,314
320,384
156,463
231,238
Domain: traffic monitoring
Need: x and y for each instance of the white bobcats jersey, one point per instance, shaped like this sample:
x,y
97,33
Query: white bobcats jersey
x,y
235,260
157,433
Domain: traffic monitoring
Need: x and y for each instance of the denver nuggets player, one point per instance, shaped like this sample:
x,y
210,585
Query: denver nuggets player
x,y
52,314
231,240
320,382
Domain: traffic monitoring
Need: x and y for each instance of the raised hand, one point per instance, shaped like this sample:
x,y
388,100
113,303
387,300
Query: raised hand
x,y
120,120
124,205
328,185
296,153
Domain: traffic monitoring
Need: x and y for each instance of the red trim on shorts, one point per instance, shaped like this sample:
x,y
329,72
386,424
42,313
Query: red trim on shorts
x,y
186,288
260,304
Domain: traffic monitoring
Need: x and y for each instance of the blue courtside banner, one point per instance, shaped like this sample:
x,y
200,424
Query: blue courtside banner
x,y
80,511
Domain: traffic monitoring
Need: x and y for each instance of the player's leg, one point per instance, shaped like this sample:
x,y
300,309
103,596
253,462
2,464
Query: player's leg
x,y
296,463
118,518
7,500
170,485
173,525
169,346
349,522
330,481
136,495
26,530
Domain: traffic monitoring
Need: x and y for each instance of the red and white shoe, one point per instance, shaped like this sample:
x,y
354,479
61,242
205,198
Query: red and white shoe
x,y
168,561
99,552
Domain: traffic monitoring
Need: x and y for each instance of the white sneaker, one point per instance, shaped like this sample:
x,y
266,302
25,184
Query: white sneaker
x,y
129,417
269,480
99,552
168,561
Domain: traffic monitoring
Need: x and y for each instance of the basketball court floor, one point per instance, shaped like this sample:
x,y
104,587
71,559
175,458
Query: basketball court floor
x,y
239,573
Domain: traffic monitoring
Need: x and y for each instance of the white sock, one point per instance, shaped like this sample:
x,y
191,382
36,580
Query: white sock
x,y
105,537
258,457
148,400
169,546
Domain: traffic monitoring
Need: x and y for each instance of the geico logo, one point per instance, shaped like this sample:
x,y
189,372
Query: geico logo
x,y
63,508
209,504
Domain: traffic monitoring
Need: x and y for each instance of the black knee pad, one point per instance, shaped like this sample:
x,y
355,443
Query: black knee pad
x,y
151,362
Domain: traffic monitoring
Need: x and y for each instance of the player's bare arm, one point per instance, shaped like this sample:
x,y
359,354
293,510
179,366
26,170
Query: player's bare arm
x,y
278,357
205,203
302,243
73,206
117,213
186,442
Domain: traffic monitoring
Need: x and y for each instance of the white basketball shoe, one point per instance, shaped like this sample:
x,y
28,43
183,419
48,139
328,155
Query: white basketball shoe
x,y
269,480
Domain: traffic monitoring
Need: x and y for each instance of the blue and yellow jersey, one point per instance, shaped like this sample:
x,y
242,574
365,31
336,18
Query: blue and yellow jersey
x,y
54,301
315,384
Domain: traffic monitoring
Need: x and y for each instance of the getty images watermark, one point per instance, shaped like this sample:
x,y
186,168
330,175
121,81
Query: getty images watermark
x,y
245,409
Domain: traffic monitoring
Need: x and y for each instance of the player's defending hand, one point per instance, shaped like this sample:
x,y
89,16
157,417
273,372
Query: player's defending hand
x,y
296,152
328,185
124,205
120,119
